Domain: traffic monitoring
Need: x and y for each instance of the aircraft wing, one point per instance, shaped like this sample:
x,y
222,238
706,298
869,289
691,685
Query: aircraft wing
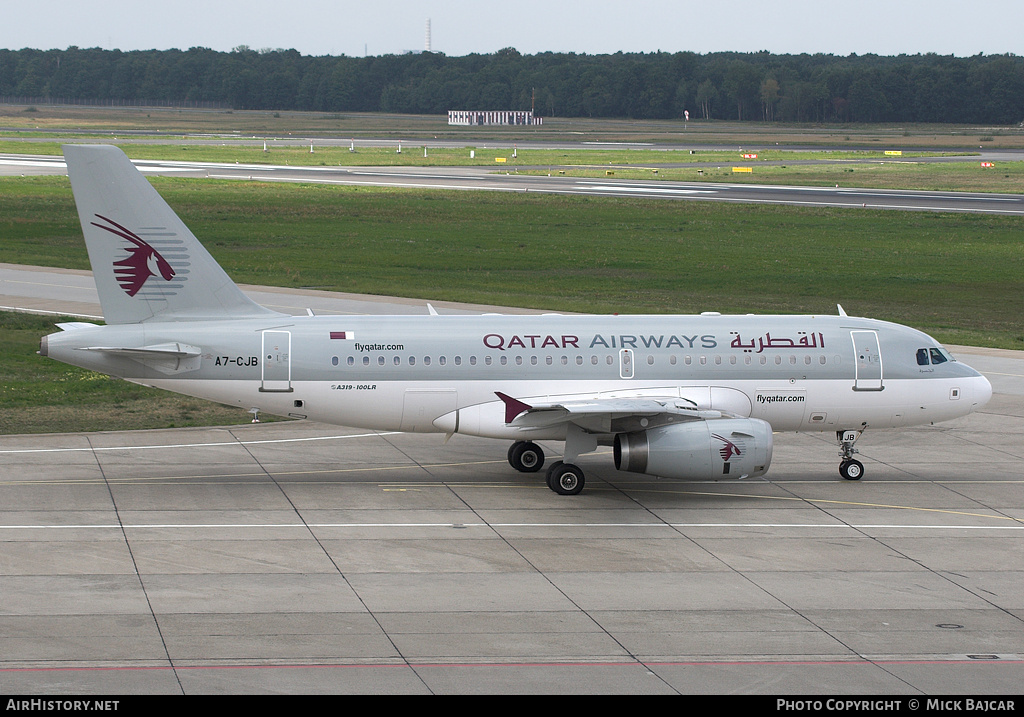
x,y
604,415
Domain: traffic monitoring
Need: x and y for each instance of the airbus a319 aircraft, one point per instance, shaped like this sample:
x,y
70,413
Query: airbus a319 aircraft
x,y
679,397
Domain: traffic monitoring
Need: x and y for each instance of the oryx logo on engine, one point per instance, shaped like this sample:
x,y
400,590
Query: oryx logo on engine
x,y
728,449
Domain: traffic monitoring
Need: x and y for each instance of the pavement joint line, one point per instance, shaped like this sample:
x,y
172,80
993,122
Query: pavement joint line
x,y
250,526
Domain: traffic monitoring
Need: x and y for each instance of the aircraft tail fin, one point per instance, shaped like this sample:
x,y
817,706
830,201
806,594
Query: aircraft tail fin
x,y
147,265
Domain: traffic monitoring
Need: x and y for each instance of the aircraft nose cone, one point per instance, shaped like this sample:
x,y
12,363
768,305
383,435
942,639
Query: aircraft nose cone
x,y
982,390
986,392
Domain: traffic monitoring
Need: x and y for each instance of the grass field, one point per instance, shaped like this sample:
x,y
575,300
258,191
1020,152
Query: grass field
x,y
155,121
953,275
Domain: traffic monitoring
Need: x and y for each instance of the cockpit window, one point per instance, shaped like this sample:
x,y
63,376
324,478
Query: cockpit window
x,y
933,356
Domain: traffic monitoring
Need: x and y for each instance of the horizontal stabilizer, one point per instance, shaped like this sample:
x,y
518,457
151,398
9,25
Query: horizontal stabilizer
x,y
172,350
72,325
166,358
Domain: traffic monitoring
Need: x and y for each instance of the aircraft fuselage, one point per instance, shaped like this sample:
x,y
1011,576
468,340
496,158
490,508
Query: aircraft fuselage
x,y
441,373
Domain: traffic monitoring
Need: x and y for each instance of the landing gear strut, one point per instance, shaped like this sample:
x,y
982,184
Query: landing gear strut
x,y
849,467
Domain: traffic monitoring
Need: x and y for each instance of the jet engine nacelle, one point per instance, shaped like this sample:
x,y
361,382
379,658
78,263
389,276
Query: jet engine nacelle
x,y
701,450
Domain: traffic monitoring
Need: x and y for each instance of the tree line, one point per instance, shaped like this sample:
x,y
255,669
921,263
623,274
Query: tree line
x,y
982,89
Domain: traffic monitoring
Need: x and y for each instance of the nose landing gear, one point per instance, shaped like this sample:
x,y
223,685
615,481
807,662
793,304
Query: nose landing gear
x,y
849,467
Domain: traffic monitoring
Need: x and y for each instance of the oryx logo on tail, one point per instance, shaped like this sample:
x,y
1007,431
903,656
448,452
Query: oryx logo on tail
x,y
142,262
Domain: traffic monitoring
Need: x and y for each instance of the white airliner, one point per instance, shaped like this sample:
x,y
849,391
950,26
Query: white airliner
x,y
684,397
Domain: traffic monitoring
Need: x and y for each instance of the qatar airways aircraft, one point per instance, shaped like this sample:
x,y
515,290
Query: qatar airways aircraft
x,y
684,397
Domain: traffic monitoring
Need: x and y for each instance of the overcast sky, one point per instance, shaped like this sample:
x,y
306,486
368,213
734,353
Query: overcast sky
x,y
461,27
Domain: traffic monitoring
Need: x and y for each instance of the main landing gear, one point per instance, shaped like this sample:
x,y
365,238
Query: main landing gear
x,y
526,456
849,468
563,478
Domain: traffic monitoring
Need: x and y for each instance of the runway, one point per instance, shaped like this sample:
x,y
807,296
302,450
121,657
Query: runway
x,y
486,179
302,558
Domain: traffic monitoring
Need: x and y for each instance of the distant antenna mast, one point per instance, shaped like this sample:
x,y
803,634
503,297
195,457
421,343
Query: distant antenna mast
x,y
426,48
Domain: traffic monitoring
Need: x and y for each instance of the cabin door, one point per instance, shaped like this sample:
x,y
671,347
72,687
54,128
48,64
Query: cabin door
x,y
277,361
867,361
